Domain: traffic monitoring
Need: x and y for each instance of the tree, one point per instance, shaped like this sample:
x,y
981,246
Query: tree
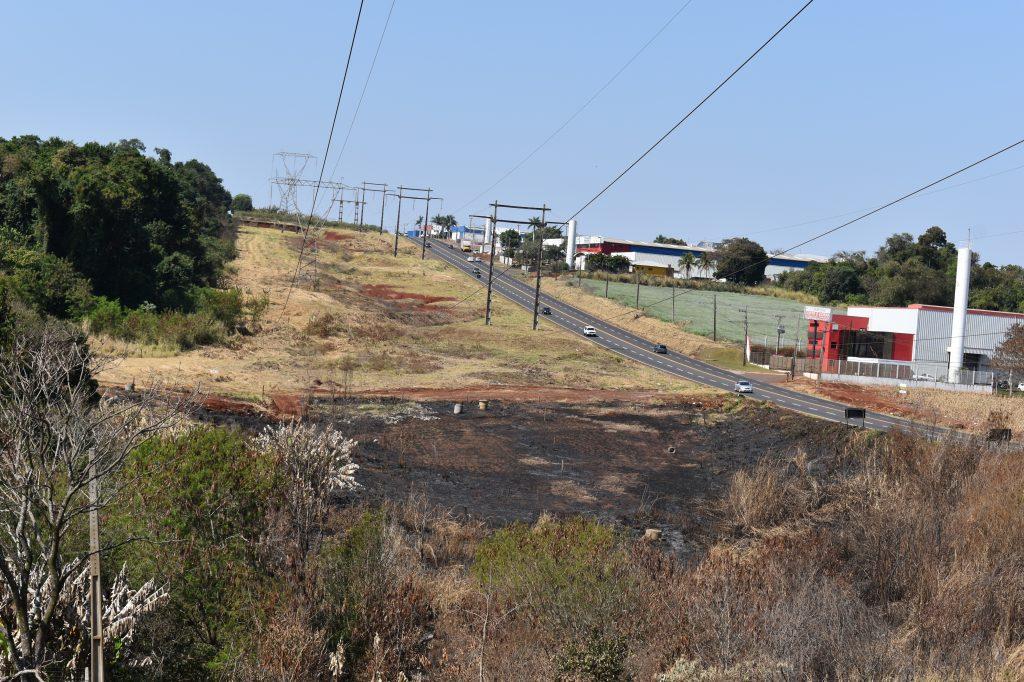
x,y
241,202
446,223
95,205
601,262
56,438
510,241
705,264
686,262
1009,355
662,239
742,261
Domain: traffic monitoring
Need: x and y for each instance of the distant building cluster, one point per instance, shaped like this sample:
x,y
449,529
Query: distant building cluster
x,y
663,259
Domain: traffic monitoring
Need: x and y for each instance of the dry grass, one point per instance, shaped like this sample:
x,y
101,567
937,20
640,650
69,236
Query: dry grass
x,y
377,323
973,412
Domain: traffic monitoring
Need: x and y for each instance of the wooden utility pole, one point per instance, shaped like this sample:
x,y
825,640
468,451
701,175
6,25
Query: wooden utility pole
x,y
96,673
714,317
746,335
636,276
538,239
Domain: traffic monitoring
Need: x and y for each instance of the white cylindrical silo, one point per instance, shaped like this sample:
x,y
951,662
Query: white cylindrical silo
x,y
488,227
570,244
963,290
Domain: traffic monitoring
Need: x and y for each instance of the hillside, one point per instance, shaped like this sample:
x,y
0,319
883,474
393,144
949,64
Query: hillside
x,y
377,323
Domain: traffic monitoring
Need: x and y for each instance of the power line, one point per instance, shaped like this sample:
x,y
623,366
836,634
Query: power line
x,y
693,110
873,211
843,215
330,137
362,94
580,110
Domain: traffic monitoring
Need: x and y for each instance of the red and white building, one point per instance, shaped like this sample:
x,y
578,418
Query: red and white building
x,y
918,338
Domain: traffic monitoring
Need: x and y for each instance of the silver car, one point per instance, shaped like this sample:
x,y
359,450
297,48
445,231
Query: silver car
x,y
743,386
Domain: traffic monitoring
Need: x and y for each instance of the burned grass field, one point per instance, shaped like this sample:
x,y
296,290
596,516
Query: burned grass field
x,y
637,464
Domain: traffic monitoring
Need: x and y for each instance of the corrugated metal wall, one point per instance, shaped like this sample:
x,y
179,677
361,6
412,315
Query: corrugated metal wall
x,y
983,334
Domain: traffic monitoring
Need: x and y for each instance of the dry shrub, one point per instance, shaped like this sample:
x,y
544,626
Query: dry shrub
x,y
283,646
769,494
323,325
779,604
377,330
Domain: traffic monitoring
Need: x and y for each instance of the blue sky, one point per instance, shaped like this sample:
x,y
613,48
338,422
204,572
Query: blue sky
x,y
855,104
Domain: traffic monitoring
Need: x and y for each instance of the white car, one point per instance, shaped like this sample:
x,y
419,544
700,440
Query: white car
x,y
473,259
743,386
589,331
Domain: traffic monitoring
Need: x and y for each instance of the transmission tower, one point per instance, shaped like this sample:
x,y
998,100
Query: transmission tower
x,y
288,169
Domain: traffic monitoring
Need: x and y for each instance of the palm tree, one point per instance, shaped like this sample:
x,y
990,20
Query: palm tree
x,y
704,264
686,262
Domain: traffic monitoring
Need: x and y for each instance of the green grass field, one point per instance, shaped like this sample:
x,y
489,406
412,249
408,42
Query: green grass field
x,y
694,309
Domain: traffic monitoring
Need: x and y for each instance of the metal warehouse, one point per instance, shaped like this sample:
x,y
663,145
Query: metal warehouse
x,y
653,256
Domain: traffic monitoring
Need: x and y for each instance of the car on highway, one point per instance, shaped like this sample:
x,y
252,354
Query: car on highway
x,y
660,348
451,246
589,331
743,386
545,310
924,377
472,259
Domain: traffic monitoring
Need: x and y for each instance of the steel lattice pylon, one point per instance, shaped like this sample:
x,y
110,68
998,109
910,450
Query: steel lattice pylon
x,y
288,170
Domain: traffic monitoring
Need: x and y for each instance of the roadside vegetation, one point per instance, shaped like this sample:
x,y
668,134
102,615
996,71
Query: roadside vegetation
x,y
135,245
906,270
261,555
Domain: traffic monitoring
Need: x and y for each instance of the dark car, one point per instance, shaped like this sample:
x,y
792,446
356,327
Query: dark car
x,y
545,310
660,348
429,245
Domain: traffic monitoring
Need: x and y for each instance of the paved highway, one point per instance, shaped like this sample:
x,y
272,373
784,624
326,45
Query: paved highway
x,y
627,344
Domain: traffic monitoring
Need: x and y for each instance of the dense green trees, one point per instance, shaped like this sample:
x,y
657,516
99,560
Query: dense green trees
x,y
241,202
605,263
662,239
137,228
906,270
741,260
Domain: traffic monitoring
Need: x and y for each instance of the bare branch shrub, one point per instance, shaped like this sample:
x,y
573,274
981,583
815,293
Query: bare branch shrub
x,y
56,437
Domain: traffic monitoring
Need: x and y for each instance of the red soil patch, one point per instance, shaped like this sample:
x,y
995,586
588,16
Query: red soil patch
x,y
389,293
288,404
336,237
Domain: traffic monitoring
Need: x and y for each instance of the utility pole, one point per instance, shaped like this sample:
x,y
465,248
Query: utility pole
x,y
636,276
426,220
537,238
714,317
492,222
746,335
779,331
674,287
539,241
96,672
607,276
398,217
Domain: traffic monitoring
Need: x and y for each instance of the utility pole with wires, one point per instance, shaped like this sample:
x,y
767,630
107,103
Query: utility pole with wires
x,y
779,331
538,239
381,187
398,217
746,334
490,223
426,223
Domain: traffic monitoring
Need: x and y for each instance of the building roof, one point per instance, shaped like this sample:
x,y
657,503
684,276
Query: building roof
x,y
972,311
692,248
